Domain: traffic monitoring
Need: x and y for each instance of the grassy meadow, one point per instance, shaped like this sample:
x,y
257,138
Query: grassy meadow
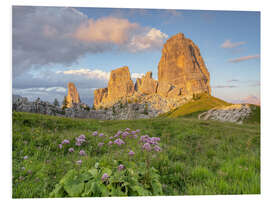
x,y
187,157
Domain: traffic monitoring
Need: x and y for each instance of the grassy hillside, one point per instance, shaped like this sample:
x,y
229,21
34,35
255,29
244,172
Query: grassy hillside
x,y
197,157
202,103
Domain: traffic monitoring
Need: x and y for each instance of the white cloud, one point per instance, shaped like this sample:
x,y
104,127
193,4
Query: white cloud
x,y
91,74
151,40
136,75
228,44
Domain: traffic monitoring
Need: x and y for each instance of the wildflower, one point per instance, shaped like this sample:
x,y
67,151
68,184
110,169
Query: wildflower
x,y
65,142
105,177
25,157
71,150
157,148
125,134
82,136
111,137
79,162
101,135
121,167
133,132
110,143
95,133
138,130
147,146
131,153
127,129
100,144
78,143
135,136
82,153
119,141
144,138
60,146
119,132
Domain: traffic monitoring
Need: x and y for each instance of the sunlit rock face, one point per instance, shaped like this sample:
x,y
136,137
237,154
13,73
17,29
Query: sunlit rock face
x,y
181,69
181,74
73,95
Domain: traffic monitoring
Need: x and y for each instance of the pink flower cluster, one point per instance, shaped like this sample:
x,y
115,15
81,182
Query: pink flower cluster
x,y
80,140
149,142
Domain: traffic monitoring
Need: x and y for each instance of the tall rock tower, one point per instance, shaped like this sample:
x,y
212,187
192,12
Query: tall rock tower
x,y
181,69
73,95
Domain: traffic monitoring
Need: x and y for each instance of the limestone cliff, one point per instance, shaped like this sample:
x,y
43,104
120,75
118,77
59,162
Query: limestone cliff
x,y
73,95
181,74
181,69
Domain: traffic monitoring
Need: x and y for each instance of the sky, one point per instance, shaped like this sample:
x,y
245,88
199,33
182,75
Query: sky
x,y
52,46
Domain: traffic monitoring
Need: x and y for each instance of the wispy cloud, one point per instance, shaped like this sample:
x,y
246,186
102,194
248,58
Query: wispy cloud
x,y
229,45
244,58
232,81
224,86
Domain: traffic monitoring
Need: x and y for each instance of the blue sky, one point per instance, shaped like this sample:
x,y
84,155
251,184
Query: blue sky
x,y
229,42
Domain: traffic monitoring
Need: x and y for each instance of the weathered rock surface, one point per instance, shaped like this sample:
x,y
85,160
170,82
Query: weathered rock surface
x,y
73,95
146,84
235,113
182,69
119,111
181,73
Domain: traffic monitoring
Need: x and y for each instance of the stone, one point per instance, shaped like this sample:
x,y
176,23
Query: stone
x,y
235,113
73,95
182,66
146,84
120,86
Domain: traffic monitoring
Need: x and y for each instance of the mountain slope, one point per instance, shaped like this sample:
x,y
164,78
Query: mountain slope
x,y
200,103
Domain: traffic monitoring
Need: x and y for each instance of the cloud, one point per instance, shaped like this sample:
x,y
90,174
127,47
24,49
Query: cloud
x,y
251,99
232,81
45,36
49,85
108,30
244,58
224,86
229,45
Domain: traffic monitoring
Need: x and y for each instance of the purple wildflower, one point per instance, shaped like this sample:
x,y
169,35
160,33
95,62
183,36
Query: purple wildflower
x,y
135,136
131,153
82,136
100,144
60,146
157,148
138,130
25,157
79,162
110,143
82,153
78,143
65,142
121,167
119,132
144,138
101,135
127,129
95,133
111,137
119,141
105,177
133,132
71,150
147,146
125,134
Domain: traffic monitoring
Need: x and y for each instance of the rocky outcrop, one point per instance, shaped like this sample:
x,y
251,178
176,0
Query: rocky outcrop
x,y
181,74
146,84
118,111
235,113
73,95
181,69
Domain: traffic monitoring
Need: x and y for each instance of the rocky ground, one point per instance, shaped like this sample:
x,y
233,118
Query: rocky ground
x,y
235,113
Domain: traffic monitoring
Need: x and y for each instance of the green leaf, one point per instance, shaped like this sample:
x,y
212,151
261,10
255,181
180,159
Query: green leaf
x,y
107,170
74,189
94,172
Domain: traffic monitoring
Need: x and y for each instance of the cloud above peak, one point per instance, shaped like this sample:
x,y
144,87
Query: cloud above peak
x,y
44,36
229,45
244,58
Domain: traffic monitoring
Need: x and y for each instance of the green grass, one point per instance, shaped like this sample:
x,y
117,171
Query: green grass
x,y
205,102
197,158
